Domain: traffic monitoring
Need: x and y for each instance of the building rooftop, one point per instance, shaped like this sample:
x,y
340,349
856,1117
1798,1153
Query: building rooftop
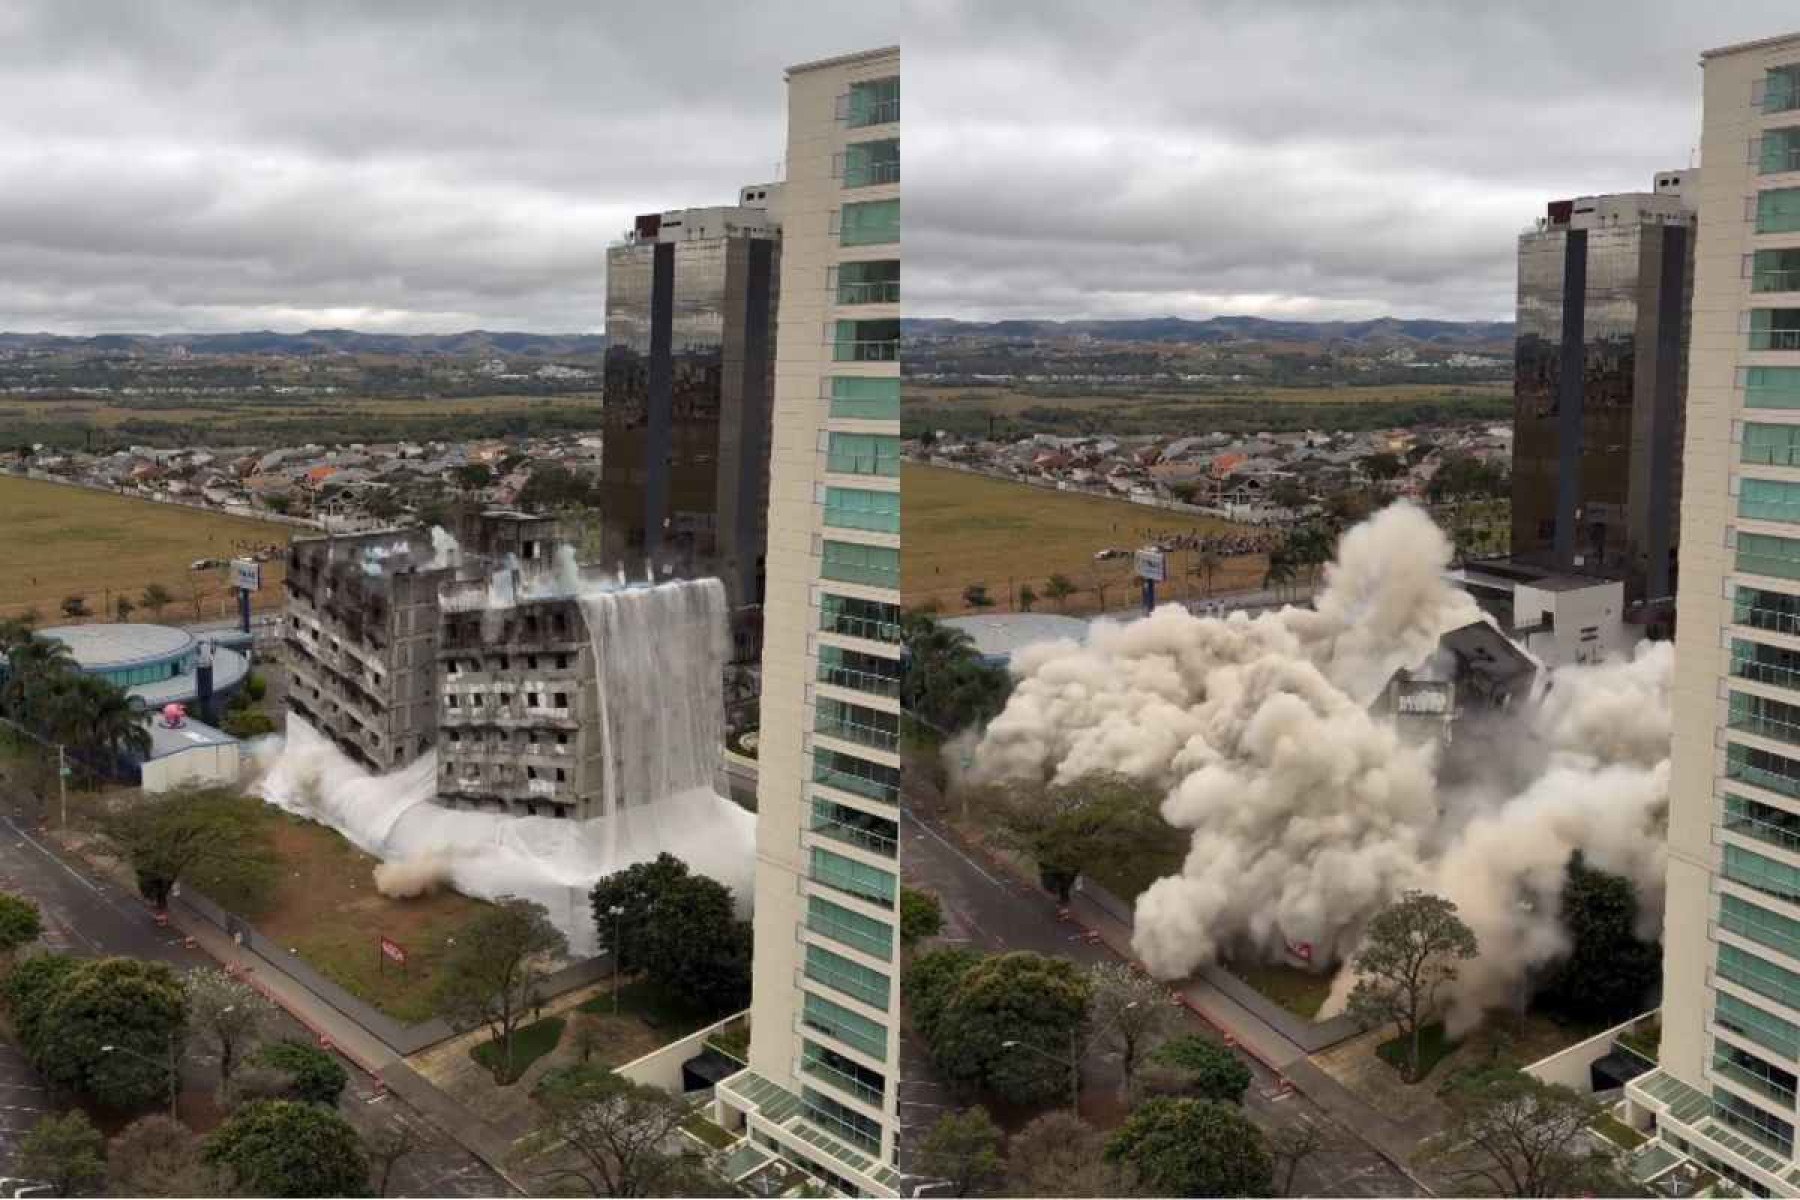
x,y
189,735
106,646
1741,47
845,60
1000,635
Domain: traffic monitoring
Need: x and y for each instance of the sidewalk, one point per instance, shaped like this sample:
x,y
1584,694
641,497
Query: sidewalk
x,y
368,1054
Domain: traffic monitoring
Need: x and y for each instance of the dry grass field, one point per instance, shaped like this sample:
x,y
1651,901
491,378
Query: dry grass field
x,y
57,541
239,412
958,529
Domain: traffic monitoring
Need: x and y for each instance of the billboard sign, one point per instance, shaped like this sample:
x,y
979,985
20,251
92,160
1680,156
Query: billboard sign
x,y
246,575
1152,564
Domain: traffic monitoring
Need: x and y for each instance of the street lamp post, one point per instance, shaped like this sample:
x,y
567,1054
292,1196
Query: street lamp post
x,y
1073,1062
172,1066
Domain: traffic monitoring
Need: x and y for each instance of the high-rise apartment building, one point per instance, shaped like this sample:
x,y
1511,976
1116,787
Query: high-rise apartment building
x,y
690,358
821,1090
1605,284
1724,1092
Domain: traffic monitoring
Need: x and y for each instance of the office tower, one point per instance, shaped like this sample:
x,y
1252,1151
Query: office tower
x,y
1724,1092
822,1086
1605,284
690,311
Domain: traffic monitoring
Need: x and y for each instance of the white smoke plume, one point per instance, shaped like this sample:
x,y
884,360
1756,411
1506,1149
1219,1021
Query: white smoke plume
x,y
406,878
1307,811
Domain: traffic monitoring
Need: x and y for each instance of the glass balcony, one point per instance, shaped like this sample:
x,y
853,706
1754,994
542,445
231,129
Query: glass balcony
x,y
871,937
836,1021
877,350
1760,723
1780,151
854,508
1765,664
1726,1066
821,1063
860,681
854,980
1763,554
1770,387
870,620
1774,211
865,398
851,1127
870,102
1763,822
863,830
871,223
851,562
1780,90
862,454
1784,338
875,282
870,164
860,783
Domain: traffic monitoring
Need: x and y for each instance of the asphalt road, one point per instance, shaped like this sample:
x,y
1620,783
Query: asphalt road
x,y
992,911
85,916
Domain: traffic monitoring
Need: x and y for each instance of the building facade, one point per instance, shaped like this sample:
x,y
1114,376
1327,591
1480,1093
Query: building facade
x,y
1724,1092
821,1089
1605,289
690,325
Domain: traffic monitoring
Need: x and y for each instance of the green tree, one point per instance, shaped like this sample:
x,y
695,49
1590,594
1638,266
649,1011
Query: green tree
x,y
617,1131
947,687
1513,1135
1129,1012
1382,466
109,1030
196,832
227,1014
681,929
156,597
157,1155
963,1150
472,477
1037,1004
65,1151
1205,565
1059,1154
1409,953
1610,972
1059,589
976,596
1194,1148
921,916
30,987
247,723
387,1146
290,1148
1292,1144
1099,822
931,980
1210,1071
492,973
123,607
20,924
312,1074
1027,597
74,606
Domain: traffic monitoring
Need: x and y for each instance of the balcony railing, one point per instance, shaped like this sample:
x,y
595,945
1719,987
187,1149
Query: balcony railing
x,y
880,112
875,995
1786,785
862,735
863,573
1775,620
1753,1081
1775,280
889,522
855,835
859,681
1763,831
869,291
872,174
871,630
1759,671
842,463
861,785
842,1080
1769,727
849,935
888,350
1774,339
872,1045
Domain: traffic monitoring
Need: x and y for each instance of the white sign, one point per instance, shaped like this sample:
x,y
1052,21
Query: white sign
x,y
1431,702
1152,564
246,575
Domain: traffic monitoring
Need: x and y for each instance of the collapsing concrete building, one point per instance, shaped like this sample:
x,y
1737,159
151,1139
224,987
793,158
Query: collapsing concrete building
x,y
1477,669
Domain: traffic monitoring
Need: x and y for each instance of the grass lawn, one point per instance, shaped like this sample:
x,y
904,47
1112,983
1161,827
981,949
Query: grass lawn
x,y
530,1043
1300,991
957,529
1618,1132
59,541
1645,1042
1434,1045
708,1131
669,1015
325,906
733,1040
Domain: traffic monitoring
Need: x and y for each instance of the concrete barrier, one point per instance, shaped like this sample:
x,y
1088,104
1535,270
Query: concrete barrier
x,y
661,1068
1571,1067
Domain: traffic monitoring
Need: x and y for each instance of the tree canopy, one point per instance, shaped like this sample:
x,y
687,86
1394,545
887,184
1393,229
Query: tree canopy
x,y
227,1014
208,833
20,923
1059,1154
681,929
492,973
1210,1071
605,1133
1610,974
1100,822
312,1074
947,687
106,1027
1037,1003
1511,1134
1182,1147
65,1151
962,1148
1409,953
290,1148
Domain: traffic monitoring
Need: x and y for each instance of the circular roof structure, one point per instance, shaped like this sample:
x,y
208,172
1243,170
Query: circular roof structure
x,y
104,647
997,636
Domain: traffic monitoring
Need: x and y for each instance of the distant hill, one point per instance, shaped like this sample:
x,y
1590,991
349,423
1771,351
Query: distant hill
x,y
471,343
1379,331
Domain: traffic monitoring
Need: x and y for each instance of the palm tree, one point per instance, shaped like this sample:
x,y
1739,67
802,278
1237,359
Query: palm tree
x,y
1280,573
1060,589
156,597
105,725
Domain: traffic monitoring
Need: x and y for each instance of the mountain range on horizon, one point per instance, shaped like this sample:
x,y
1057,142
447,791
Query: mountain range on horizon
x,y
1374,331
468,343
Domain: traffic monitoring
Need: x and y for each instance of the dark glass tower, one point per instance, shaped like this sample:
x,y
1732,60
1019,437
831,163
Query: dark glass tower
x,y
690,367
1605,299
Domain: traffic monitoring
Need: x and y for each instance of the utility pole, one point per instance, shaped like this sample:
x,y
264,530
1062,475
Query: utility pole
x,y
62,784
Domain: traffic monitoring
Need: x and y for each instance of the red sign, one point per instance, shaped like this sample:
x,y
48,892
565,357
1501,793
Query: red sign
x,y
394,950
1301,950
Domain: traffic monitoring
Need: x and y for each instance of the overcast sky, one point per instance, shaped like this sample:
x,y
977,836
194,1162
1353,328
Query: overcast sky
x,y
415,165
